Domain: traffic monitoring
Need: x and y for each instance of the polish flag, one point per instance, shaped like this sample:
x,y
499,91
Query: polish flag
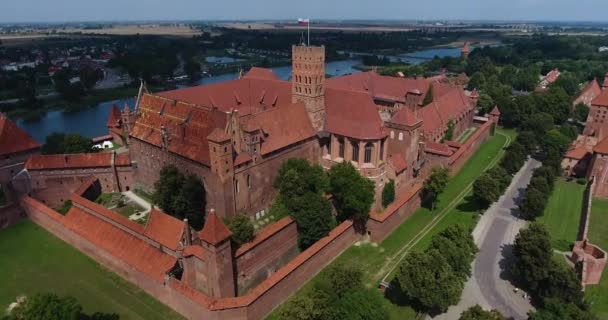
x,y
304,21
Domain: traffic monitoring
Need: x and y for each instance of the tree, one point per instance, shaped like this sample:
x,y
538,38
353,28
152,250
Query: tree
x,y
181,197
388,193
167,187
89,77
362,304
485,103
581,112
555,140
477,81
353,194
449,133
501,175
429,96
533,253
546,172
192,70
528,140
343,278
428,279
316,305
554,309
514,158
436,183
190,202
539,123
561,283
486,189
533,205
568,82
312,213
61,143
242,229
297,177
457,246
540,184
477,313
49,306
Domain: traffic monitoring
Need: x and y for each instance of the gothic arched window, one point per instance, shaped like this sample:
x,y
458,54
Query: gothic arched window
x,y
341,148
355,146
368,152
382,150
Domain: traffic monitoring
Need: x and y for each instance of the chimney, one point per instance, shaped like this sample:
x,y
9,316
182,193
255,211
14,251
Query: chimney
x,y
187,233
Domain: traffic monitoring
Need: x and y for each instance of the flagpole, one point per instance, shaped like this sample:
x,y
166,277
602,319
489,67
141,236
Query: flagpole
x,y
309,21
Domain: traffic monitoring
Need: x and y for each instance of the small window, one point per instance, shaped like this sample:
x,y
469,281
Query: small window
x,y
368,152
248,181
355,146
392,134
237,187
400,136
341,148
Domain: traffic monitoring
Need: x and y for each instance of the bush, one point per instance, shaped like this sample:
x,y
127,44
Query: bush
x,y
388,193
582,181
353,194
242,229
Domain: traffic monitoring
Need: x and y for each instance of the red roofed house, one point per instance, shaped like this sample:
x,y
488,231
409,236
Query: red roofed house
x,y
548,79
15,148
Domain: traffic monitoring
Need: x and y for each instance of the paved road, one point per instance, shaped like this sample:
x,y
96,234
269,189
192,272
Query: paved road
x,y
494,235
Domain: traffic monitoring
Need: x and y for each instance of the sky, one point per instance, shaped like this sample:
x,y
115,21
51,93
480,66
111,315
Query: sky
x,y
113,10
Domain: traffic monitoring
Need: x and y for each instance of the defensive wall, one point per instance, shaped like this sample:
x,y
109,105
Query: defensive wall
x,y
257,260
588,258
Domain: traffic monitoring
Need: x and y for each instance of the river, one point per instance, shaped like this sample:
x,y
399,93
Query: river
x,y
92,121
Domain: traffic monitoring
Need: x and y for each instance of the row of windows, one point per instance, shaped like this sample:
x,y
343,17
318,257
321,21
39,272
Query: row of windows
x,y
237,185
368,151
308,80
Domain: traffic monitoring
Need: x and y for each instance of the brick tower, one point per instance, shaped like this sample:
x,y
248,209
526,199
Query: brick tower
x,y
308,81
215,240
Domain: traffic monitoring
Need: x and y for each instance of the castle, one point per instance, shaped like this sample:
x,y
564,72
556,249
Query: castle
x,y
234,136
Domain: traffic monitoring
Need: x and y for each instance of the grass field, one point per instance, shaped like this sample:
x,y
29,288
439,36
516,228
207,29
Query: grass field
x,y
563,212
35,261
598,234
376,261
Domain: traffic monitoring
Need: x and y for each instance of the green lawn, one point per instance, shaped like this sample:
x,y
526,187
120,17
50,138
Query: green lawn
x,y
598,234
34,261
563,212
375,260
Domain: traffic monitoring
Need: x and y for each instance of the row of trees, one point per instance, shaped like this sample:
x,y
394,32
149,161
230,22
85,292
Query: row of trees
x,y
181,196
553,285
302,194
340,294
49,306
434,279
64,143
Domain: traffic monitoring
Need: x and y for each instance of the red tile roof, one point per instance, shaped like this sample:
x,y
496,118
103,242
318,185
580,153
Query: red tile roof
x,y
282,126
261,73
242,158
601,147
405,116
397,162
80,160
438,148
577,153
601,100
13,139
381,87
589,92
164,229
248,95
352,114
552,76
218,135
114,118
264,235
108,214
495,111
451,104
194,250
187,126
214,231
120,244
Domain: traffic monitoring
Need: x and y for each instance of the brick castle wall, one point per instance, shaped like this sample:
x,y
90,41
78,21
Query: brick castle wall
x,y
273,247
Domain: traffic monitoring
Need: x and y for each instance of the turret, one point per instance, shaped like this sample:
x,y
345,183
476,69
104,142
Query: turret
x,y
220,154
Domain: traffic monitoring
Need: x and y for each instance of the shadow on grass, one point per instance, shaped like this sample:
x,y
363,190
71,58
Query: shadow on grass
x,y
470,204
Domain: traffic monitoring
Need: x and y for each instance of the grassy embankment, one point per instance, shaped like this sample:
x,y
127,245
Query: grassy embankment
x,y
597,295
563,212
36,261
